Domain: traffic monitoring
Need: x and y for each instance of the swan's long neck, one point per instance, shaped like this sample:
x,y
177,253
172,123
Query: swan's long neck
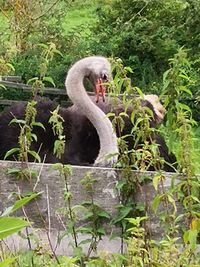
x,y
78,95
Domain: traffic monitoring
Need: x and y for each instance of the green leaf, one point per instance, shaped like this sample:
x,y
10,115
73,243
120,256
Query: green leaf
x,y
43,46
186,90
190,237
32,80
136,221
79,208
103,214
17,121
38,124
155,203
120,184
2,86
50,80
7,262
166,73
58,52
122,214
35,155
12,171
34,137
172,201
85,241
68,195
156,180
139,91
128,69
11,151
184,107
88,215
58,167
85,230
11,225
19,203
10,66
101,231
110,115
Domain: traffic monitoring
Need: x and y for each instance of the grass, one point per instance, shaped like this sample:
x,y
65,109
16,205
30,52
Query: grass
x,y
80,15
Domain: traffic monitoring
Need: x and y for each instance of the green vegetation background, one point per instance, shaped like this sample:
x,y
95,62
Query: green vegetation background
x,y
145,34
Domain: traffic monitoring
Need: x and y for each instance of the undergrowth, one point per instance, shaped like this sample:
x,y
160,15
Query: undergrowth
x,y
174,207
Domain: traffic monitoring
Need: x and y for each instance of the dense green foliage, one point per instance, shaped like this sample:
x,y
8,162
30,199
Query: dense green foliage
x,y
159,42
144,34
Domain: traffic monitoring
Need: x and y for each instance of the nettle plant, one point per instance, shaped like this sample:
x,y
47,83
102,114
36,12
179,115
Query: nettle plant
x,y
26,136
177,82
38,83
132,217
145,150
27,125
85,218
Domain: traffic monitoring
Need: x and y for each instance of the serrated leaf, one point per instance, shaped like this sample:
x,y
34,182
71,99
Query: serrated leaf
x,y
39,124
85,230
186,90
34,136
50,80
88,215
35,155
122,214
43,45
32,80
19,203
192,238
13,171
103,214
11,225
101,231
17,121
3,86
11,152
58,52
128,69
10,66
156,180
120,184
155,203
